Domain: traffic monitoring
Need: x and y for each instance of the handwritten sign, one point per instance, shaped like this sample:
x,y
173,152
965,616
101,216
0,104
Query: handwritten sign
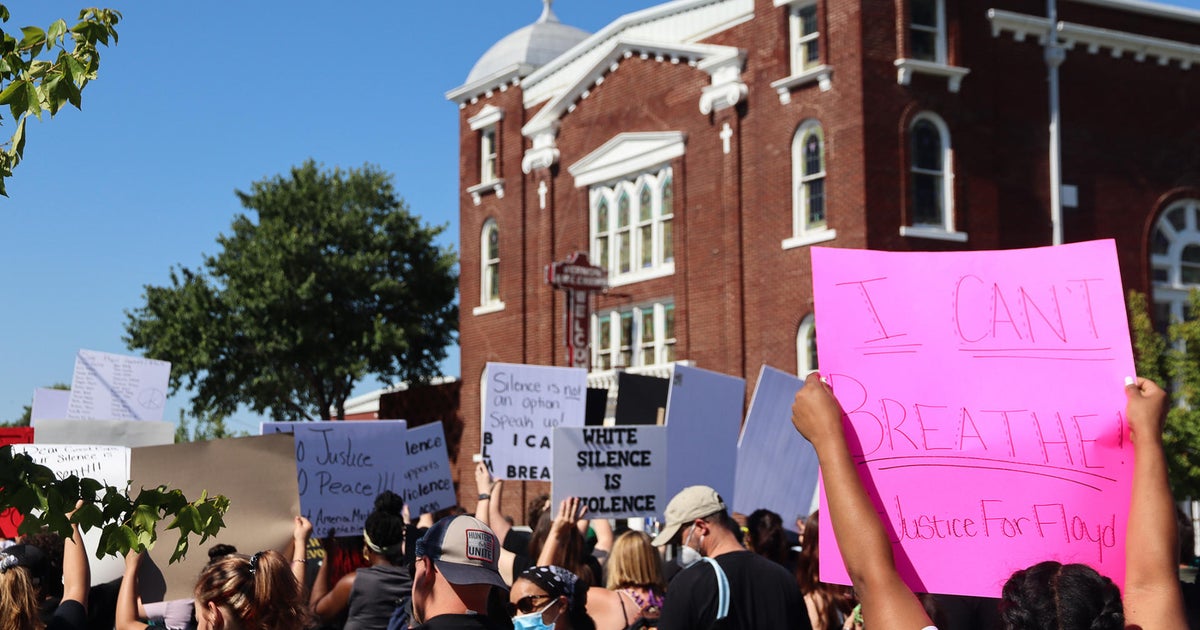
x,y
49,404
984,404
617,472
117,387
342,466
776,466
426,481
107,464
704,414
522,405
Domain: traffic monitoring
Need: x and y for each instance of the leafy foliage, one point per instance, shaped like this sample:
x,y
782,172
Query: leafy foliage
x,y
45,501
203,429
43,71
1177,366
334,281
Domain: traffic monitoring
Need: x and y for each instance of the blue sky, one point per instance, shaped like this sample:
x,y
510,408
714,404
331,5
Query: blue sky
x,y
201,99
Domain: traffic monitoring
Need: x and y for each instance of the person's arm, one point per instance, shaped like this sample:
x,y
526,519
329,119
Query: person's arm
x,y
569,514
336,600
496,519
127,602
887,602
1152,598
604,538
300,532
77,573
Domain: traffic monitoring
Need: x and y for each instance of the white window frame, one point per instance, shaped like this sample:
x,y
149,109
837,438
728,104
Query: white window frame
x,y
489,157
806,341
798,39
659,345
802,233
944,230
488,303
938,29
611,194
1173,291
487,124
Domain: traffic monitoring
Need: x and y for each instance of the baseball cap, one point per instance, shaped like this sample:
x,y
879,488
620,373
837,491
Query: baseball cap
x,y
464,550
691,503
26,556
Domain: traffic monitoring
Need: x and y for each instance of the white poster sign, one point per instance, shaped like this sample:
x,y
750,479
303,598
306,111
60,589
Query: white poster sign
x,y
617,472
342,466
132,433
522,406
49,404
427,482
117,387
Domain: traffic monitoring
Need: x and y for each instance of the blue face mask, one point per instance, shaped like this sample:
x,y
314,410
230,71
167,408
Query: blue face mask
x,y
533,621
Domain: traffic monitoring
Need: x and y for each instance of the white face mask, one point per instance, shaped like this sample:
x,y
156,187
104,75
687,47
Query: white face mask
x,y
688,556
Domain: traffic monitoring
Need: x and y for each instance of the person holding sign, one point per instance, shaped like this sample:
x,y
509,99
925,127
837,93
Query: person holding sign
x,y
22,567
1045,595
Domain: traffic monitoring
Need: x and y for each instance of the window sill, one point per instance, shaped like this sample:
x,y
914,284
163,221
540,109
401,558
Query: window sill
x,y
479,190
933,233
905,68
810,238
821,74
642,275
484,309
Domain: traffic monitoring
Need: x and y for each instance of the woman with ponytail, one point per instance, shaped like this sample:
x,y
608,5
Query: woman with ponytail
x,y
256,592
371,594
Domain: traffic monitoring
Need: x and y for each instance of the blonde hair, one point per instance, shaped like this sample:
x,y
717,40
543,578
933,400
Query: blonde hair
x,y
263,593
635,562
19,601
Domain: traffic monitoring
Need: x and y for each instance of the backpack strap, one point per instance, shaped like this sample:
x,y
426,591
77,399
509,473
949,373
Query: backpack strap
x,y
722,589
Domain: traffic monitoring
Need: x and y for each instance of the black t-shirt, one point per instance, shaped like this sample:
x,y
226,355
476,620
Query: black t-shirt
x,y
70,615
762,596
460,622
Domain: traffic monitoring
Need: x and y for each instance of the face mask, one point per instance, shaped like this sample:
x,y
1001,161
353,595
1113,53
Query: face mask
x,y
688,556
533,621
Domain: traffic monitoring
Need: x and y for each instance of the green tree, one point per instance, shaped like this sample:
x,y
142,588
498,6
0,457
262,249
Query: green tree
x,y
42,71
335,280
1176,365
204,429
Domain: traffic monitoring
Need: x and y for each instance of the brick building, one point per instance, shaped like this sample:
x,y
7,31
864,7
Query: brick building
x,y
697,149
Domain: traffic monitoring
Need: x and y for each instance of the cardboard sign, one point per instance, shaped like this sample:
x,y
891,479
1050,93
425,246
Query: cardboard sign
x,y
10,519
522,405
618,472
984,404
257,474
117,387
776,466
704,415
49,404
131,433
342,466
107,464
427,484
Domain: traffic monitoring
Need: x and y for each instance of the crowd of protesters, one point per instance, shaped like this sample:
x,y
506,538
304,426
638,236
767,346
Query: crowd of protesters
x,y
705,567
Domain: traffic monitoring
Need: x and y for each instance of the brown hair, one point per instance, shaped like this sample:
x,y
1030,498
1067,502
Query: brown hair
x,y
808,571
261,590
19,601
635,563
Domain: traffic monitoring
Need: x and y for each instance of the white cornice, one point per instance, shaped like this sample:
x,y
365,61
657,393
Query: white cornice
x,y
488,115
1073,36
499,80
723,63
1147,8
627,153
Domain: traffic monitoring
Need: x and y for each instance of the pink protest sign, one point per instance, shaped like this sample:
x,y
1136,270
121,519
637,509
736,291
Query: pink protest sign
x,y
984,404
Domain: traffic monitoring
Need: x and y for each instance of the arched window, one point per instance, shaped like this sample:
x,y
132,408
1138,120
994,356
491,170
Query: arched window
x,y
931,180
1175,260
806,347
631,227
489,265
809,223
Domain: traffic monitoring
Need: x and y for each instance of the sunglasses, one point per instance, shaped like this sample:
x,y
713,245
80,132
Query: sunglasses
x,y
525,605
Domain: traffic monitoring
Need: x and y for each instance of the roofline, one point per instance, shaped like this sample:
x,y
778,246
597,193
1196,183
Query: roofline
x,y
1148,8
616,26
494,80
